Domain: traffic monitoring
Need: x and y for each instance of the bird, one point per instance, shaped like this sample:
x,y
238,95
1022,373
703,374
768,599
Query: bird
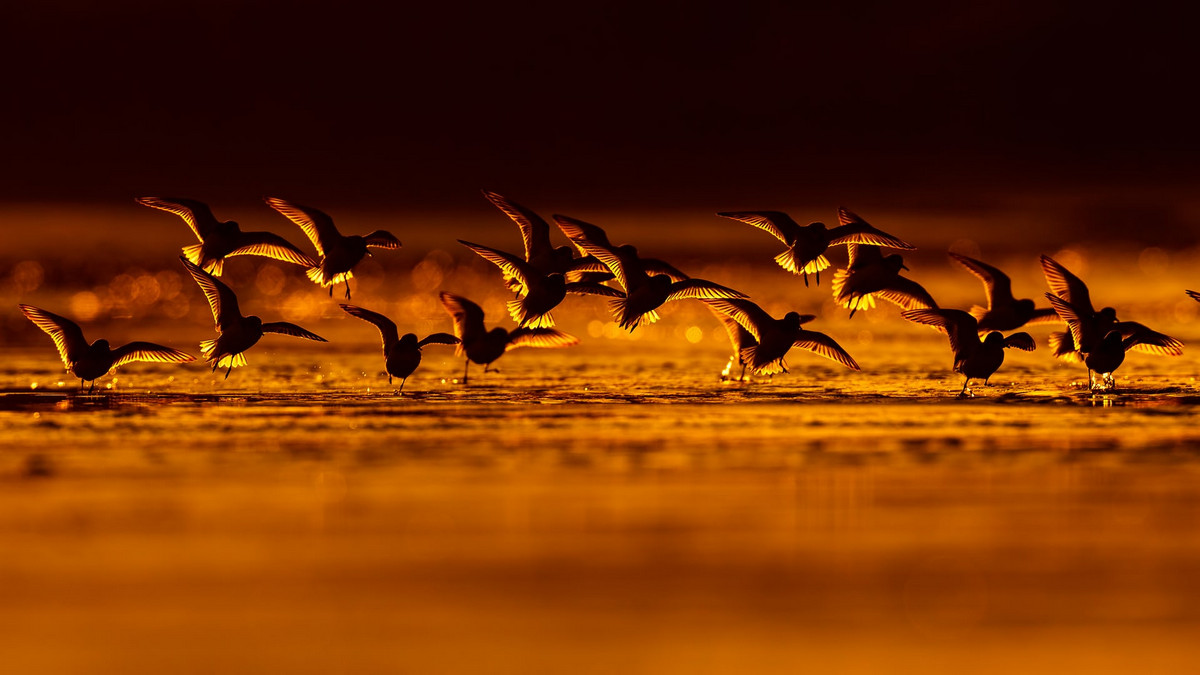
x,y
1086,326
774,338
1105,354
973,358
1003,311
401,355
537,292
539,252
478,344
807,244
339,254
740,338
1195,295
235,333
91,361
869,273
643,293
221,240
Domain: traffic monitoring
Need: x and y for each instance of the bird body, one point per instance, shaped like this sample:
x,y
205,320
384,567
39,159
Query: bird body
x,y
90,362
771,339
479,345
973,358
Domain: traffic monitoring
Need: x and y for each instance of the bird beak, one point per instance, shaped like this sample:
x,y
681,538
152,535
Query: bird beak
x,y
904,267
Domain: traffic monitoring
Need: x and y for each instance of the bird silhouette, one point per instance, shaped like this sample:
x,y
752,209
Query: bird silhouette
x,y
401,355
339,254
1003,311
91,361
542,255
1193,295
643,293
868,274
537,292
973,358
221,240
739,338
235,333
478,344
806,245
774,338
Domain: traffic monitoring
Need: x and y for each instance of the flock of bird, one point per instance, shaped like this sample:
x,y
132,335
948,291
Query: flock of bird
x,y
636,287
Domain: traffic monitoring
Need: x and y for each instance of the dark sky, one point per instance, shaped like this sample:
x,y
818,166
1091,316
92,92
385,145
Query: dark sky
x,y
627,102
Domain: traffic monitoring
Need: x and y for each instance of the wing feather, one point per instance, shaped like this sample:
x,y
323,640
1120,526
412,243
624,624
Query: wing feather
x,y
701,290
67,335
438,339
285,328
1067,286
539,337
195,213
823,345
780,225
221,299
996,283
862,233
387,328
535,231
512,266
270,245
316,224
746,313
150,352
1023,341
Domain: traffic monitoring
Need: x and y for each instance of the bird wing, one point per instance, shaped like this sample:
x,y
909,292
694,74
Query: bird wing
x,y
1067,286
438,339
908,294
847,217
861,255
701,289
746,313
859,232
1195,295
823,345
534,230
316,224
382,239
1067,312
607,256
655,266
996,283
739,337
1140,338
148,351
67,335
539,337
780,225
959,326
592,288
577,230
1042,316
196,214
512,266
221,300
1023,341
270,245
387,328
285,328
468,316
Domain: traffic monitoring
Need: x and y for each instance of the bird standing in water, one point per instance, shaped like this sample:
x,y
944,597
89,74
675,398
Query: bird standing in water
x,y
774,338
401,355
91,361
807,244
221,240
339,254
973,358
482,346
235,333
1003,311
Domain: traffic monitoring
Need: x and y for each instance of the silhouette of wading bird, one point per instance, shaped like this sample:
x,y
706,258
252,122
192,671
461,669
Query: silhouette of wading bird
x,y
91,361
773,338
537,293
868,274
1003,311
807,245
401,355
235,333
221,240
339,254
540,253
643,293
973,358
478,344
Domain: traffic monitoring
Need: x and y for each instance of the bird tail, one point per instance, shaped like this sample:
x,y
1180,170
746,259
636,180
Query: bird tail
x,y
194,254
1062,345
619,308
207,348
749,355
519,313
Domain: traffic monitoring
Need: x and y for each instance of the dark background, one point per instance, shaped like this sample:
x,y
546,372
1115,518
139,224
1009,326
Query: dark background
x,y
619,104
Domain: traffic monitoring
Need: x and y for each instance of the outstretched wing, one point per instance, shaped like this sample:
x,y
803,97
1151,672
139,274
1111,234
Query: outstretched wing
x,y
746,313
512,266
1023,341
1067,312
221,300
958,325
387,329
996,283
1067,286
148,351
1195,295
285,328
655,266
539,337
67,335
468,316
862,255
780,225
701,290
316,224
908,294
823,345
270,245
196,214
578,231
382,239
859,232
593,288
535,232
438,339
1141,339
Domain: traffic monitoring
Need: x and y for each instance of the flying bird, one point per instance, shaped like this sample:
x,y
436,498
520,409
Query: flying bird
x,y
221,240
973,358
1003,311
869,273
401,355
537,292
774,338
806,245
540,254
339,254
643,293
91,361
235,333
478,344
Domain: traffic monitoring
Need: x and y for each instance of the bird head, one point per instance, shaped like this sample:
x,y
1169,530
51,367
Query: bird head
x,y
255,321
1108,314
629,250
660,282
408,341
895,262
1025,306
994,340
100,344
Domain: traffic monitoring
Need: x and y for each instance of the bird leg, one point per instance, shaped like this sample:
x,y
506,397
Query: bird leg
x,y
1091,381
390,379
818,277
93,387
347,289
81,384
402,385
229,370
331,290
742,377
965,392
806,279
466,367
